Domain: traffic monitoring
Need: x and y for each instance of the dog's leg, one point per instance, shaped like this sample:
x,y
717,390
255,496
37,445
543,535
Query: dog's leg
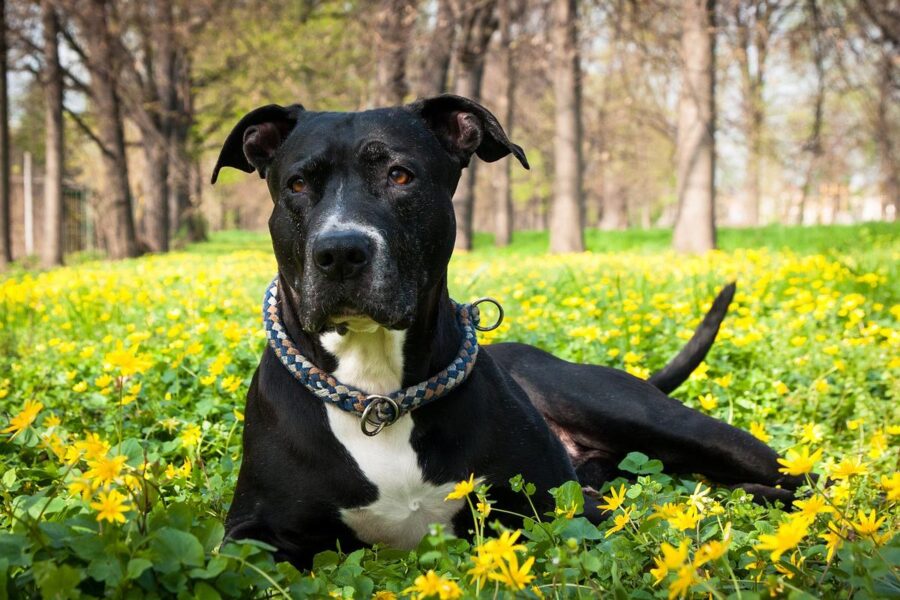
x,y
602,414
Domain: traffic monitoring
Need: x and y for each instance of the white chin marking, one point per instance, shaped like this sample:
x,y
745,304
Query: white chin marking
x,y
370,358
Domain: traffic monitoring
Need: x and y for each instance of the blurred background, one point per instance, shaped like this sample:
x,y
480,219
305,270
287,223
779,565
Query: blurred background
x,y
633,113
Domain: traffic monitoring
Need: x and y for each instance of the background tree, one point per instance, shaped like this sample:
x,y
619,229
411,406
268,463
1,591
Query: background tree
x,y
477,21
567,211
695,228
5,220
439,50
54,151
393,26
97,25
506,101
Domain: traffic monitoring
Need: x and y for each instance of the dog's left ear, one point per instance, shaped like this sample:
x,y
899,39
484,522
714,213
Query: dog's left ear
x,y
465,127
252,143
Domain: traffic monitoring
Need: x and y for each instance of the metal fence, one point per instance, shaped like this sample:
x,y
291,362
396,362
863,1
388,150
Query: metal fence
x,y
27,214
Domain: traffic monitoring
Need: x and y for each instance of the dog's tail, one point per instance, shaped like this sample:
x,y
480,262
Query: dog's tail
x,y
679,368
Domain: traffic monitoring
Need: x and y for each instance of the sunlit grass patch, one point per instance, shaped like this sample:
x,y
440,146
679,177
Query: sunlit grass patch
x,y
121,399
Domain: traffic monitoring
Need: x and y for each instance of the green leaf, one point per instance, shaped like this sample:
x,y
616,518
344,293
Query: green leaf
x,y
633,462
57,581
12,549
329,558
580,529
203,591
136,567
568,496
172,547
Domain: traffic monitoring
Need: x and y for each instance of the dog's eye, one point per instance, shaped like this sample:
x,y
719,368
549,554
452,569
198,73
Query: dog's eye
x,y
400,176
298,185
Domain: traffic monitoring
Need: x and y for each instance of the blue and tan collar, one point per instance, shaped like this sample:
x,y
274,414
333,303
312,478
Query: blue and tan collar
x,y
376,411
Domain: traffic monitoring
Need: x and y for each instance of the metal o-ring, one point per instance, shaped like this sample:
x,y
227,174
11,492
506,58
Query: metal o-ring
x,y
489,300
367,416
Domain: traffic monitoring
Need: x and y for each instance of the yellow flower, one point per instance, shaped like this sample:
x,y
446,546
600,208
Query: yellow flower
x,y
615,499
892,486
847,468
620,521
724,381
714,549
812,506
238,416
51,421
462,489
681,585
672,558
666,511
796,561
105,471
811,433
483,567
80,387
799,463
780,388
92,446
789,534
384,595
503,547
484,508
231,383
431,584
24,419
877,444
82,487
708,402
833,540
684,519
126,362
758,431
511,574
111,507
190,436
868,524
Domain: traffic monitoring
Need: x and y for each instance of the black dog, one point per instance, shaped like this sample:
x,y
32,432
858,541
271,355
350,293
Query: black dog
x,y
363,229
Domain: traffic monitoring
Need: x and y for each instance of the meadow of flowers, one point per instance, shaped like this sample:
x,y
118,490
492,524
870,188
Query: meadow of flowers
x,y
121,398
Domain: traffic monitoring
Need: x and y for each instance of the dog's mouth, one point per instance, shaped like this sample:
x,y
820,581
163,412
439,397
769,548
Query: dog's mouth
x,y
359,318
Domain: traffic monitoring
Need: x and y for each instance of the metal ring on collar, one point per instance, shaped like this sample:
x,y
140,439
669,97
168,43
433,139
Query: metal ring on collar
x,y
376,402
489,300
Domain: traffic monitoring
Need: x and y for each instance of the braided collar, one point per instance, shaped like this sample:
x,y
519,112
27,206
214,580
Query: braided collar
x,y
376,411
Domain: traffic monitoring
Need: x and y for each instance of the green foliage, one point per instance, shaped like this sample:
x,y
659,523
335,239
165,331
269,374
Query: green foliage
x,y
121,391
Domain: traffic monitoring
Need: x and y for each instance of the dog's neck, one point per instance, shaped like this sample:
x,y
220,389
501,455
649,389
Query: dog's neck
x,y
382,360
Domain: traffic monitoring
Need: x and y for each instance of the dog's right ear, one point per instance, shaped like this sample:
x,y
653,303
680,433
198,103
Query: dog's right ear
x,y
252,143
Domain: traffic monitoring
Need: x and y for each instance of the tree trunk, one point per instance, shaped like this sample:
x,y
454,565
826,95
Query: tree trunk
x,y
394,20
887,160
52,247
503,198
754,162
440,49
478,26
156,190
695,223
813,143
567,211
185,216
5,201
116,220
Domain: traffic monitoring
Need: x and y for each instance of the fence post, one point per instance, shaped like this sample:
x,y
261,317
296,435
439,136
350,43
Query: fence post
x,y
29,206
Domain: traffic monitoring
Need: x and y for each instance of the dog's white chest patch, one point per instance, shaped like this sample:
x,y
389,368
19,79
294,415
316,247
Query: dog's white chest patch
x,y
370,358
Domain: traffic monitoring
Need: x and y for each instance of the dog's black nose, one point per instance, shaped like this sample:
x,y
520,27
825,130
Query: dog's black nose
x,y
342,254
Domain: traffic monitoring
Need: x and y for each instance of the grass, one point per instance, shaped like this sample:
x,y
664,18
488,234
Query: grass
x,y
121,398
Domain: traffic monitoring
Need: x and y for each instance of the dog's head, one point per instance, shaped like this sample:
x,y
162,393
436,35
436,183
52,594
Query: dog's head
x,y
363,222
